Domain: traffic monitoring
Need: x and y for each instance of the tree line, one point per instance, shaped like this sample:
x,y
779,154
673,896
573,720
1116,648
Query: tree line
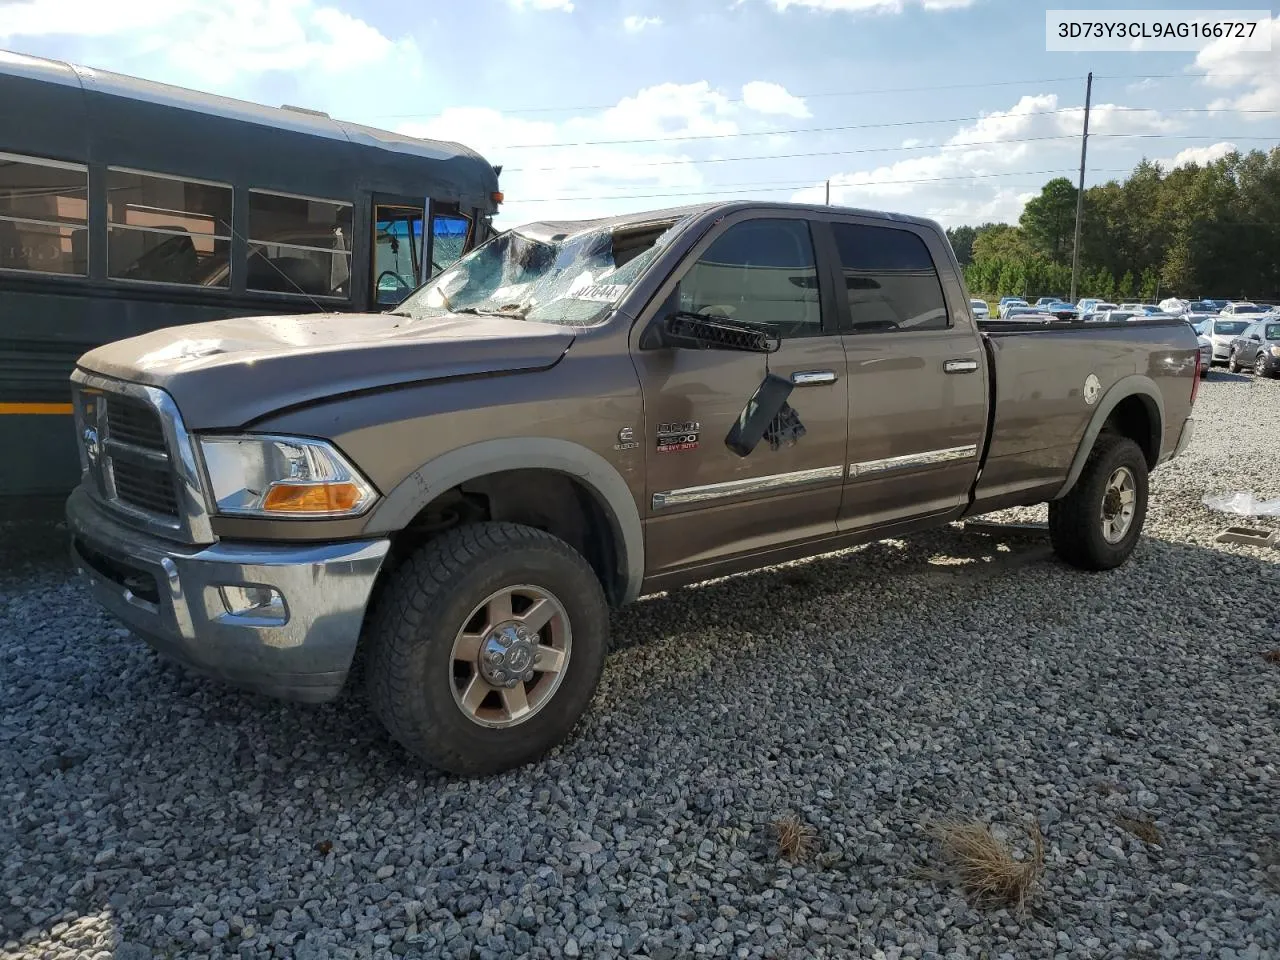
x,y
1210,230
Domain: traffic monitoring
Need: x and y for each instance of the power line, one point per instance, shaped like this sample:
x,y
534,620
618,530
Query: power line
x,y
857,126
802,185
865,92
864,150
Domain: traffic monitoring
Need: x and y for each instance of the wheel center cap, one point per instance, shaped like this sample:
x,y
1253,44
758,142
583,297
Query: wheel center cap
x,y
507,656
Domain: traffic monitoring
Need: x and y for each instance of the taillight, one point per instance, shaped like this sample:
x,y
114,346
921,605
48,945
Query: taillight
x,y
1195,381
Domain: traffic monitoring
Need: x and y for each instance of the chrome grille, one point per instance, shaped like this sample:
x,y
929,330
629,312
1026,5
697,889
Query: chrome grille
x,y
135,459
134,422
145,486
138,458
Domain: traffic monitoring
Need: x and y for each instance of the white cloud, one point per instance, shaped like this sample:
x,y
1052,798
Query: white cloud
x,y
565,5
871,6
988,169
215,42
1227,68
772,98
634,24
547,163
1198,155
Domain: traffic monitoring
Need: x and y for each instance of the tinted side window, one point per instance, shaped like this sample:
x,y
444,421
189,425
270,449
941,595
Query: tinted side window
x,y
44,208
760,271
299,245
891,280
167,230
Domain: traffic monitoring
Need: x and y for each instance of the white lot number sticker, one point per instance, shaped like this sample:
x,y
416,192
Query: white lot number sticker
x,y
600,292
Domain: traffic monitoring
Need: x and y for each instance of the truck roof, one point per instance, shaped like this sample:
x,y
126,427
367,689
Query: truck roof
x,y
559,229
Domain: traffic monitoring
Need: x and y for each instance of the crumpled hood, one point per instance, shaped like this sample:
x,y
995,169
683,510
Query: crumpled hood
x,y
227,373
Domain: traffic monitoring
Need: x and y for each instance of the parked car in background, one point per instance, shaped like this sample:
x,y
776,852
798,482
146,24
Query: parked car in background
x,y
981,311
1257,349
1173,305
1087,305
1026,314
1100,307
1008,303
1242,308
1222,332
1061,309
1046,301
1147,308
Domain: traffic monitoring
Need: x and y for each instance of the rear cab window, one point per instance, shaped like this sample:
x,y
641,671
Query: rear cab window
x,y
891,281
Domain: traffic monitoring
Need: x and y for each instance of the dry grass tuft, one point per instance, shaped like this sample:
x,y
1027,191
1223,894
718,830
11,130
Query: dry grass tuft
x,y
1272,656
1144,830
986,867
795,837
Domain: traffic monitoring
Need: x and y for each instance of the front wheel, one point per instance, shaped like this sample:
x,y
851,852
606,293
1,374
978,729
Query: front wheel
x,y
1097,525
1260,365
486,646
1233,363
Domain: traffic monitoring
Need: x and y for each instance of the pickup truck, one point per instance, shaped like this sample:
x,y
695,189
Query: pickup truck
x,y
571,416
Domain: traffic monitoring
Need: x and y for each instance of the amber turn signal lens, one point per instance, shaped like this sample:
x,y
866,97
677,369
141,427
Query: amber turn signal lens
x,y
312,498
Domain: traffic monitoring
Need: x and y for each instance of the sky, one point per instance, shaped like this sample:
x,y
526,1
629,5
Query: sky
x,y
950,109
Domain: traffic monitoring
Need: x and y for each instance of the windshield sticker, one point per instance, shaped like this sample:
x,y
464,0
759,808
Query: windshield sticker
x,y
600,293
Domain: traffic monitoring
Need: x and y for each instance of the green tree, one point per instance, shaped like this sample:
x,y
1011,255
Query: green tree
x,y
1000,242
1049,220
962,243
1124,289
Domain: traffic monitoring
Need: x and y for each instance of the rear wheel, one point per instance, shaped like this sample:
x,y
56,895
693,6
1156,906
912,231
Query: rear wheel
x,y
1097,525
486,646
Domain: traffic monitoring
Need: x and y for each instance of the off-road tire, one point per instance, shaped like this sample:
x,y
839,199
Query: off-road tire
x,y
1075,521
417,615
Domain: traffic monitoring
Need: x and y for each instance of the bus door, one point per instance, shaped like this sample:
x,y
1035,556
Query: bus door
x,y
451,236
398,250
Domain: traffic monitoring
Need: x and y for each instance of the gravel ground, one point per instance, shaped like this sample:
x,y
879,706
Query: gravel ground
x,y
150,814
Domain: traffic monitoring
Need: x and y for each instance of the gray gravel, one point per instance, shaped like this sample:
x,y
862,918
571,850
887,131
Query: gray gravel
x,y
150,814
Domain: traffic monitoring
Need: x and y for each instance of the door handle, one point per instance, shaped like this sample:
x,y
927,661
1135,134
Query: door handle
x,y
960,366
813,378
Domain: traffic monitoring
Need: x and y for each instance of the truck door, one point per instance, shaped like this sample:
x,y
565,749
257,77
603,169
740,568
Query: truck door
x,y
917,375
706,502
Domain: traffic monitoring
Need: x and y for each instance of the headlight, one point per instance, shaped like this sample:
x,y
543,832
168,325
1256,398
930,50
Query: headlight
x,y
269,476
1275,351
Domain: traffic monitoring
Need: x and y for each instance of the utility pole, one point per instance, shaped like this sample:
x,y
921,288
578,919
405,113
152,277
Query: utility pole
x,y
1084,148
828,193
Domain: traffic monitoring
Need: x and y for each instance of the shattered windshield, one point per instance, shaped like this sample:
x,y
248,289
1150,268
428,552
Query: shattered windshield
x,y
571,280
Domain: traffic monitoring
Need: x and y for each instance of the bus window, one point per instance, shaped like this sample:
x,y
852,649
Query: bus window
x,y
44,208
397,252
165,229
449,233
299,245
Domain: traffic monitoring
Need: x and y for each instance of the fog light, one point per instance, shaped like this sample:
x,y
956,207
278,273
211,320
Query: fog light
x,y
247,600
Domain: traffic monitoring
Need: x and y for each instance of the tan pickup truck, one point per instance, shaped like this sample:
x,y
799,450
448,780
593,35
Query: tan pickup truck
x,y
571,416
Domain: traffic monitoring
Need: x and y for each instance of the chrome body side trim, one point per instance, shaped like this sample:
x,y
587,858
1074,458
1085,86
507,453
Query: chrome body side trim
x,y
734,488
813,378
924,459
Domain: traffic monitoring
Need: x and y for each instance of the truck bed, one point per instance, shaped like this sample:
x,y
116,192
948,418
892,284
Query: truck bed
x,y
1041,390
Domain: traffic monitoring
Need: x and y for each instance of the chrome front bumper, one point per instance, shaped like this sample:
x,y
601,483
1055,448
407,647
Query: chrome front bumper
x,y
280,619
